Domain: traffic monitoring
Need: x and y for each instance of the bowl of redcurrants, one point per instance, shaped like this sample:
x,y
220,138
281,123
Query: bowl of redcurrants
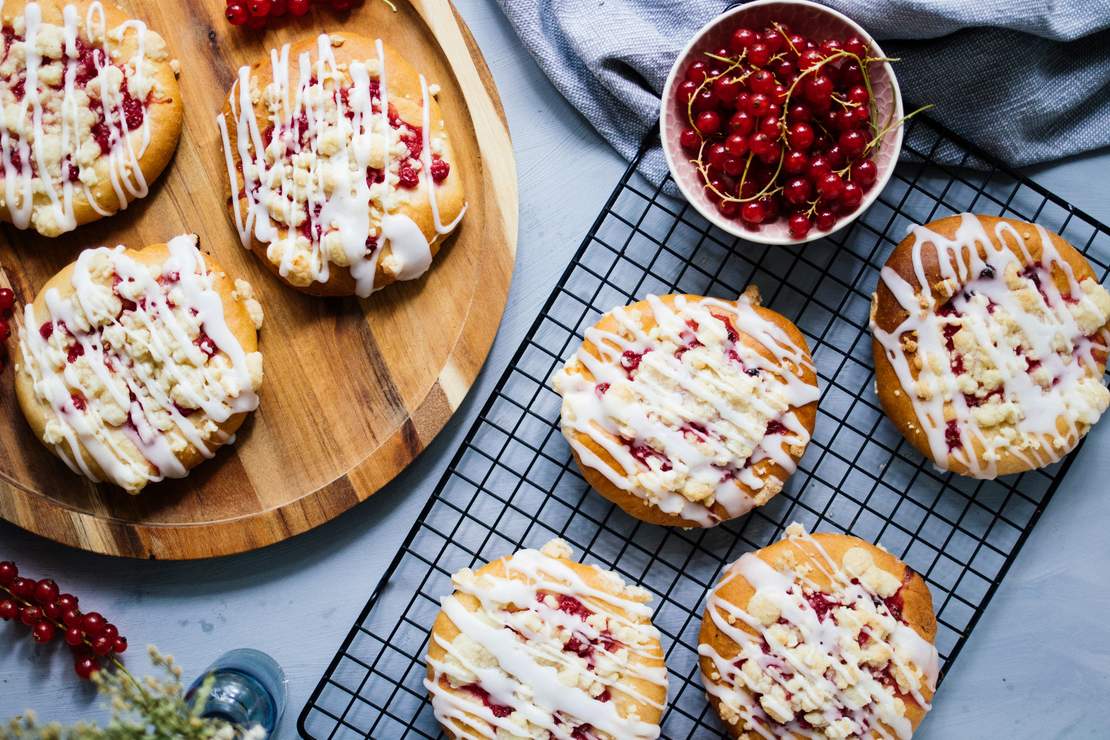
x,y
781,121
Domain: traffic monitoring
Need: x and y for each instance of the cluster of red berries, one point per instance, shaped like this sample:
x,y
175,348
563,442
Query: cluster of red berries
x,y
782,125
257,13
49,613
7,305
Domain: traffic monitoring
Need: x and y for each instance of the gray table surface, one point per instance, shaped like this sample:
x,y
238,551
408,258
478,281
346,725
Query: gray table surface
x,y
1038,664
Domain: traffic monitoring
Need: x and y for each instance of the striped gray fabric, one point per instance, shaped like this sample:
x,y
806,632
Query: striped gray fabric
x,y
1027,80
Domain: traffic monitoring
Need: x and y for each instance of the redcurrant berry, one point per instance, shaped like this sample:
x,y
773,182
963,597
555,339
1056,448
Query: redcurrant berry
x,y
736,144
851,195
686,91
817,88
237,14
697,72
46,591
30,614
689,140
24,588
8,573
796,191
120,645
725,89
86,665
741,122
259,8
7,300
830,186
825,220
298,7
72,618
761,81
753,213
855,45
741,39
864,173
102,646
800,136
708,122
8,610
852,143
759,54
795,162
43,631
74,637
93,624
799,225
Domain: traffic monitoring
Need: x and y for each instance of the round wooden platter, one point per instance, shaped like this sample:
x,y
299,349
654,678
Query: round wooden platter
x,y
354,390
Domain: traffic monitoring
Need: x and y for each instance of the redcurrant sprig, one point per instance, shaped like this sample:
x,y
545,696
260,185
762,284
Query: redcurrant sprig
x,y
49,613
257,14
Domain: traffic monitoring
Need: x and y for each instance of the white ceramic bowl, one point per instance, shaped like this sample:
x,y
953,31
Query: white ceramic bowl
x,y
812,20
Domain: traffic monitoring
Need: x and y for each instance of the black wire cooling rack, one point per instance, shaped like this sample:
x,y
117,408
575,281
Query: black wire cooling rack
x,y
513,483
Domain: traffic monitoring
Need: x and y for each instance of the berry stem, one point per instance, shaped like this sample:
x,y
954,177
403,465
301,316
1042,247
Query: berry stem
x,y
893,125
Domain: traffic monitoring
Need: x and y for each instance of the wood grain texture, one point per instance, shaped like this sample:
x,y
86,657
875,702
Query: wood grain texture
x,y
354,389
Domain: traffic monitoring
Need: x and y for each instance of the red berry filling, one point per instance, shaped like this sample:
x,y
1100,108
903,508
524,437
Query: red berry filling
x,y
822,603
499,710
631,360
952,435
642,453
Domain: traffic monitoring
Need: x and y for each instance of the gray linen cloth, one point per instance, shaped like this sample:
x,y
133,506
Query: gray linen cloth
x,y
1027,80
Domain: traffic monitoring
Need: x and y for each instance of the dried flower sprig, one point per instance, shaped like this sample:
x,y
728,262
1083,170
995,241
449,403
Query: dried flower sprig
x,y
50,613
151,709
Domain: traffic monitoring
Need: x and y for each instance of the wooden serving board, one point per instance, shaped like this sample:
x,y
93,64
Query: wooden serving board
x,y
354,390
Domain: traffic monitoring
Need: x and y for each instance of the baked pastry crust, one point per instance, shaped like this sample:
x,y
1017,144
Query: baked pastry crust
x,y
82,370
581,642
990,364
768,382
103,182
308,252
792,644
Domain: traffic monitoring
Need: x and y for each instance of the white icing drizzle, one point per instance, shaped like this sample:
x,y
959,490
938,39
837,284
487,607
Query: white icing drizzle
x,y
137,364
328,193
685,409
1035,344
802,658
545,654
59,165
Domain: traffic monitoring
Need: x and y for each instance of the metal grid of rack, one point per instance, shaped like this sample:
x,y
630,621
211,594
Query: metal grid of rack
x,y
513,482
